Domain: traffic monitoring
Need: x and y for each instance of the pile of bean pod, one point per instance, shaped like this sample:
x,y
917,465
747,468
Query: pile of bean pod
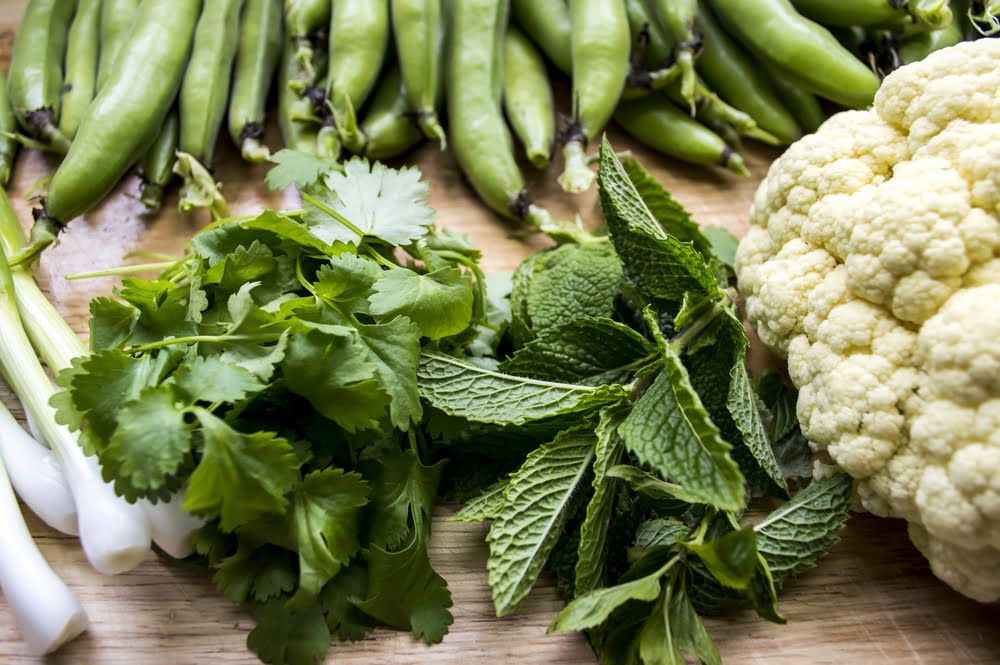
x,y
115,83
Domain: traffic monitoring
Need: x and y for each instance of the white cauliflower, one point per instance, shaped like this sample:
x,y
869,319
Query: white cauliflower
x,y
873,263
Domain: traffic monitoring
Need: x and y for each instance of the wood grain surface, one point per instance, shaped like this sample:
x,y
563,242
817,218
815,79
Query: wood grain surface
x,y
873,601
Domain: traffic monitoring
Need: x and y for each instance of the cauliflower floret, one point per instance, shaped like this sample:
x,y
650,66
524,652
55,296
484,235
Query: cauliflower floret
x,y
873,263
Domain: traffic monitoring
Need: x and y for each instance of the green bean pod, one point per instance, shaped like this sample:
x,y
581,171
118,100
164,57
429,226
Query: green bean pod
x,y
733,74
803,104
418,28
123,120
35,78
117,17
359,38
82,48
388,127
892,14
676,19
918,46
158,164
663,127
8,144
527,97
304,20
256,59
711,110
550,26
775,32
205,89
600,50
297,135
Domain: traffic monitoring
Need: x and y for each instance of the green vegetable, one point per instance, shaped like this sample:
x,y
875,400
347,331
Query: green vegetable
x,y
8,125
388,126
272,373
158,164
651,439
549,25
776,33
80,83
418,28
895,14
257,57
527,97
676,19
117,17
35,78
123,120
600,54
299,136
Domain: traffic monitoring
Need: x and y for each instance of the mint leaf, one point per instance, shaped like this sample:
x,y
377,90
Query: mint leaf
x,y
111,323
440,302
668,496
331,369
731,559
487,506
406,593
150,443
241,477
795,536
325,519
742,405
658,265
384,203
211,379
572,282
296,168
688,630
670,215
480,395
588,351
537,504
660,532
669,430
591,559
657,643
723,244
283,637
594,608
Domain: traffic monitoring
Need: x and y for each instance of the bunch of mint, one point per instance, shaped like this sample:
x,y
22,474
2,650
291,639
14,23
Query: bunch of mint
x,y
628,440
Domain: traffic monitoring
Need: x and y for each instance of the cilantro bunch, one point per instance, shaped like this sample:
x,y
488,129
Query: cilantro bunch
x,y
627,438
270,378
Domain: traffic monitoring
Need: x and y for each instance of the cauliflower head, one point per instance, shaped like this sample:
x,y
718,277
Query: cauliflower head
x,y
873,263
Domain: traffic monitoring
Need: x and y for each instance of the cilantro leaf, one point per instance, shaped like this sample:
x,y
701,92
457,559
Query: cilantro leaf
x,y
480,395
111,323
255,572
381,202
440,302
669,430
162,309
348,279
537,503
330,368
405,495
660,266
325,514
406,593
241,477
588,351
342,616
293,167
591,559
394,351
149,444
212,379
285,637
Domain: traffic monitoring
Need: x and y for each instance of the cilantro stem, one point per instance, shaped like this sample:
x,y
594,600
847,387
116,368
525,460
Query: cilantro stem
x,y
209,339
313,201
124,270
379,259
480,301
306,284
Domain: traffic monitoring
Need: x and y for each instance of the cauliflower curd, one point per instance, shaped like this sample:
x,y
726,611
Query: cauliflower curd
x,y
873,263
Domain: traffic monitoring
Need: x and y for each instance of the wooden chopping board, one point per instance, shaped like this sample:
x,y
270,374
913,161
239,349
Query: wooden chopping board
x,y
872,601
